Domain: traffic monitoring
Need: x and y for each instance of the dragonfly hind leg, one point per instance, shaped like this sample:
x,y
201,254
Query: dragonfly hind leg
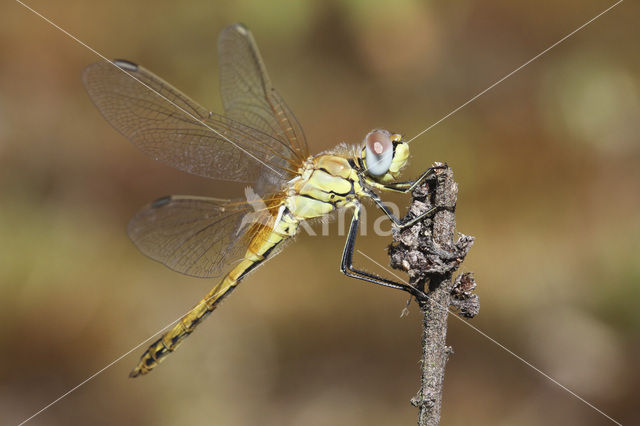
x,y
346,266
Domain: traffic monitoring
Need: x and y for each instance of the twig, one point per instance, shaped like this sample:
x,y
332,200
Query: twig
x,y
428,253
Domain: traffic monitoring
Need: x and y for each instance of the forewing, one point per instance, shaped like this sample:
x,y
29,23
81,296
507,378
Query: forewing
x,y
168,126
247,94
196,236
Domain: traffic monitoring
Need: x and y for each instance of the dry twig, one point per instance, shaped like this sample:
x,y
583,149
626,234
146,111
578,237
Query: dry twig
x,y
428,253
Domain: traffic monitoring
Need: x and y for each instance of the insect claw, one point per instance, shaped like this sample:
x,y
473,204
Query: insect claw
x,y
420,296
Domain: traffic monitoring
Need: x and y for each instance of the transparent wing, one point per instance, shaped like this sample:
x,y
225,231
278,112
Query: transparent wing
x,y
196,236
247,94
168,126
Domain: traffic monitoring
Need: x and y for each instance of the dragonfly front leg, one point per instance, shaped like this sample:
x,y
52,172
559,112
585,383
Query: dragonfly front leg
x,y
346,266
404,187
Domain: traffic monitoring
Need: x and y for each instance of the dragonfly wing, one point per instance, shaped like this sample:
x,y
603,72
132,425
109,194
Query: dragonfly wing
x,y
168,126
247,94
196,236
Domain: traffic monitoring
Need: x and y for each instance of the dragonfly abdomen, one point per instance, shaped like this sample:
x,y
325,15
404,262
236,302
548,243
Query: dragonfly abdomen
x,y
262,246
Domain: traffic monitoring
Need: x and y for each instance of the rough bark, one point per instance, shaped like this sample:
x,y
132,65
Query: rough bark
x,y
428,253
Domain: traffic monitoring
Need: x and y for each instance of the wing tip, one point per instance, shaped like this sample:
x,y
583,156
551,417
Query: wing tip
x,y
238,28
241,28
162,201
125,65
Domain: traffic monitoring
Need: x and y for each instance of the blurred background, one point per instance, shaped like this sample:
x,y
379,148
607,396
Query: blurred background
x,y
548,165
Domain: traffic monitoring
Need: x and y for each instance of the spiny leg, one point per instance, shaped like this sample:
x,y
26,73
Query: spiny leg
x,y
404,187
346,266
396,220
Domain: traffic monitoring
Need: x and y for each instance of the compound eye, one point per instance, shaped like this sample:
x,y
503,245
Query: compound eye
x,y
379,152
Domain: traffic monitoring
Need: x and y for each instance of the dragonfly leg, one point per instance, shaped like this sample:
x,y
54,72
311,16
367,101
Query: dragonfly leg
x,y
404,223
346,266
409,186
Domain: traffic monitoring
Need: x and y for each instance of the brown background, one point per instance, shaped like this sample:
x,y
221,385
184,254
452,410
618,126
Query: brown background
x,y
548,167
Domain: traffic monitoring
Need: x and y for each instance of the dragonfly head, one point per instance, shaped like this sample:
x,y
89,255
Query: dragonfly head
x,y
383,155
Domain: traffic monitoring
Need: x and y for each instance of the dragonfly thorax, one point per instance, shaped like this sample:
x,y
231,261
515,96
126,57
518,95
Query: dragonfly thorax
x,y
325,183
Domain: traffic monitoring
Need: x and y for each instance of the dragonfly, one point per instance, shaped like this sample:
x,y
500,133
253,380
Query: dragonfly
x,y
256,142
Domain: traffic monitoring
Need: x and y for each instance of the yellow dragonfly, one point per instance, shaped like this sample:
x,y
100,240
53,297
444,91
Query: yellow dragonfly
x,y
258,142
